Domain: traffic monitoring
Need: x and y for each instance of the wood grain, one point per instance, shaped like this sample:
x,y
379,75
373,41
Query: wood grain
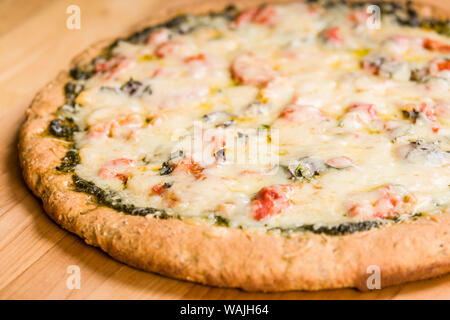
x,y
34,252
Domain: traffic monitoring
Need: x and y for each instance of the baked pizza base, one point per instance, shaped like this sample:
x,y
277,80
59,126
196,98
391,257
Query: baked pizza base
x,y
221,256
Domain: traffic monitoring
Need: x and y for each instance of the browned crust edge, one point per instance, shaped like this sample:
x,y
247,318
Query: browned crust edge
x,y
220,256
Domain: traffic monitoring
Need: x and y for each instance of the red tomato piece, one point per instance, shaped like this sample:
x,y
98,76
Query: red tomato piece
x,y
113,66
189,166
197,57
124,123
270,201
264,15
245,17
358,17
444,65
117,169
435,45
389,202
333,34
160,188
428,111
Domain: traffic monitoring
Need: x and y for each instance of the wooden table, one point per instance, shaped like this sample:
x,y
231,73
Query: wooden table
x,y
34,252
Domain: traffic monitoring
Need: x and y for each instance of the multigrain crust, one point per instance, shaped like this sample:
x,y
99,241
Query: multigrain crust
x,y
221,256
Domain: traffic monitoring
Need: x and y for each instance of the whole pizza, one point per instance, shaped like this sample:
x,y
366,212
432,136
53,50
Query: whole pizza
x,y
294,146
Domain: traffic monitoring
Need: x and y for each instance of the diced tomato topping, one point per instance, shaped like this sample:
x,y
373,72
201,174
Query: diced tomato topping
x,y
360,115
435,45
425,109
270,201
168,48
245,17
108,173
264,15
333,34
118,68
102,66
389,203
112,128
190,167
113,66
217,142
122,162
116,169
252,70
358,17
428,111
159,188
444,65
197,57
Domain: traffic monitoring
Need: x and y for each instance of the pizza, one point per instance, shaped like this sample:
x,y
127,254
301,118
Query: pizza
x,y
276,147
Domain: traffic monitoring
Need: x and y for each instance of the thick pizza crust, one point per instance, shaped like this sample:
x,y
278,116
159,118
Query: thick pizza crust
x,y
222,256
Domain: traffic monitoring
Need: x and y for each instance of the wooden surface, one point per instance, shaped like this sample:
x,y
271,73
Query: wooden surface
x,y
34,252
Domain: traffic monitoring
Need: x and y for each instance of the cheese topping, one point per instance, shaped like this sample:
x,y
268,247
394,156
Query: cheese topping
x,y
274,117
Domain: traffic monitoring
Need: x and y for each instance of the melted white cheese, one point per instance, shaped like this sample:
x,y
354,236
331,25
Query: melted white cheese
x,y
322,80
